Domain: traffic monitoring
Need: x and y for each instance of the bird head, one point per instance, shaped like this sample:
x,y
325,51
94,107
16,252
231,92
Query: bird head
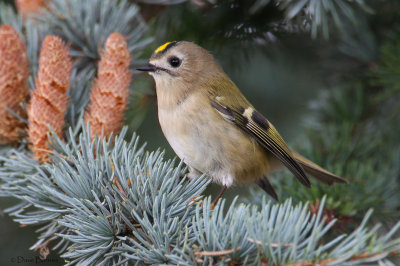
x,y
181,63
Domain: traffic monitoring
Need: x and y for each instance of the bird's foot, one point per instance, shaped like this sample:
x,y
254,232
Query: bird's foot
x,y
224,187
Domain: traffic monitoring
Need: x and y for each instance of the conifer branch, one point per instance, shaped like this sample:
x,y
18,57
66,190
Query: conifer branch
x,y
9,16
321,15
87,25
154,219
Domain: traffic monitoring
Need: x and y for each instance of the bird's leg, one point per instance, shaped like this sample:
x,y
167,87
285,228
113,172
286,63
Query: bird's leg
x,y
224,187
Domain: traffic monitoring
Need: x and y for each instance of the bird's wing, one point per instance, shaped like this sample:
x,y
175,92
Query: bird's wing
x,y
258,127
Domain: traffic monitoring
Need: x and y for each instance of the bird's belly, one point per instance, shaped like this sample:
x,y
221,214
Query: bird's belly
x,y
218,149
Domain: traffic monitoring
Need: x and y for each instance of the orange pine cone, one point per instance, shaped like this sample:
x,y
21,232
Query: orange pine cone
x,y
110,91
27,7
14,71
49,101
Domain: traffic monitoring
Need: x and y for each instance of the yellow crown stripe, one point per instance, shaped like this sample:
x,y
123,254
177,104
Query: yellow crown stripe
x,y
162,47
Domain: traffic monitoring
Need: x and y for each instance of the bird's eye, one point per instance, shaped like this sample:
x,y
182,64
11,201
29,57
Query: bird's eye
x,y
174,61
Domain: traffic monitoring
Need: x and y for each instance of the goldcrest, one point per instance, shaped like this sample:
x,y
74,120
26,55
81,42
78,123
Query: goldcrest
x,y
213,128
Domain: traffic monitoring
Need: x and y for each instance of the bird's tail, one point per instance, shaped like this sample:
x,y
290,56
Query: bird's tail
x,y
316,171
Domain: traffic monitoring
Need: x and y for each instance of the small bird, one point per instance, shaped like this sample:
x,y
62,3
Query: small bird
x,y
214,129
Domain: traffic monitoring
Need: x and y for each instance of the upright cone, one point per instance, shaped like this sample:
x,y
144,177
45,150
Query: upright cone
x,y
27,7
14,71
49,101
110,91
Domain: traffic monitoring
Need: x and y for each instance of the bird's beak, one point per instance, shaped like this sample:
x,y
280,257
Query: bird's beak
x,y
149,68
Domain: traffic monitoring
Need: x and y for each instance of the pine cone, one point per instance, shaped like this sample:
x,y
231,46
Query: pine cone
x,y
110,91
14,71
27,7
49,101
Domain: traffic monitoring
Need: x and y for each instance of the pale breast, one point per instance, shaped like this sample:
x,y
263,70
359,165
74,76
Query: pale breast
x,y
212,145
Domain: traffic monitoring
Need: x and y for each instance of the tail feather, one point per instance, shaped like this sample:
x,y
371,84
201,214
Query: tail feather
x,y
267,187
316,171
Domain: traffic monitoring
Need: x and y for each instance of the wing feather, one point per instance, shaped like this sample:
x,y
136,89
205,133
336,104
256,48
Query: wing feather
x,y
254,124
